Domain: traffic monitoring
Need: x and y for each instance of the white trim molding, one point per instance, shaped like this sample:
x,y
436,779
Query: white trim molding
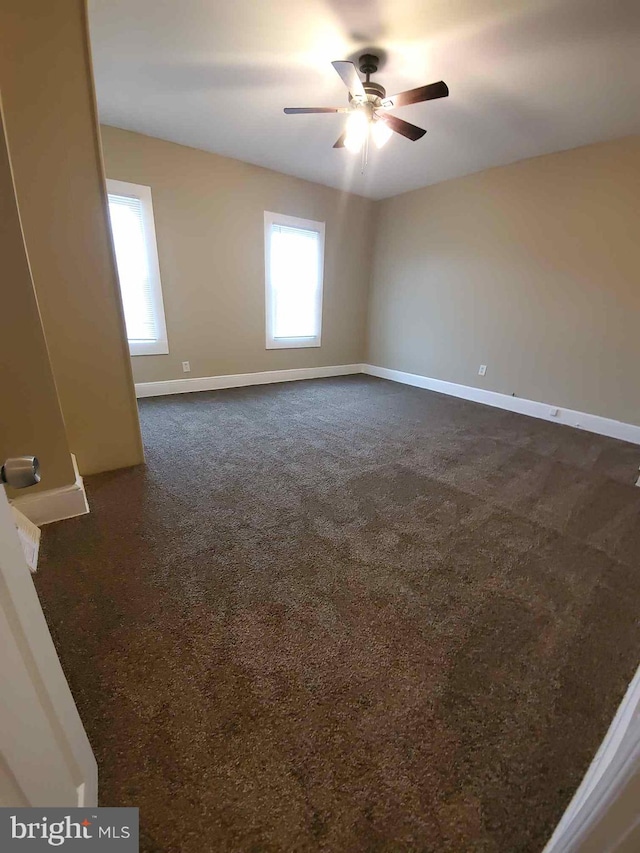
x,y
240,380
543,411
29,536
603,813
123,189
272,221
54,504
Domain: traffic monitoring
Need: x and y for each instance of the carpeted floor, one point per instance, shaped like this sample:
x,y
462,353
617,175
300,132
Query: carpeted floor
x,y
349,615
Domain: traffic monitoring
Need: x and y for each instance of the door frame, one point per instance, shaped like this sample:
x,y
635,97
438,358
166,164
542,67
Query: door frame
x,y
20,605
604,814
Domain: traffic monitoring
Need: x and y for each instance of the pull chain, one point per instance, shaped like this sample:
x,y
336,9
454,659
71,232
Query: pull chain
x,y
365,153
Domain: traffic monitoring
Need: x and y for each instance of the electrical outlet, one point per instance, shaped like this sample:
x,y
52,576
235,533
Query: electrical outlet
x,y
483,370
186,367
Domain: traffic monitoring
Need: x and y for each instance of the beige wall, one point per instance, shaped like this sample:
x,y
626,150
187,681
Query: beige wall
x,y
47,89
209,223
31,421
532,269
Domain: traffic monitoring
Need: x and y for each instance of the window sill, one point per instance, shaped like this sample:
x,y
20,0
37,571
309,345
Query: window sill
x,y
151,348
293,343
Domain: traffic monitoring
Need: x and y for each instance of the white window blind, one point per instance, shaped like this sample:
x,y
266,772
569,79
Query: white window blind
x,y
132,226
294,267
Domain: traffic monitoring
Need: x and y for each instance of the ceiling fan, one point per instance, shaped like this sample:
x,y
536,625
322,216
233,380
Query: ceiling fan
x,y
369,105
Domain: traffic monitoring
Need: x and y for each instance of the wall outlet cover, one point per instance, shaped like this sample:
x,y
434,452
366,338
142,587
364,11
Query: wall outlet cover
x,y
483,370
186,367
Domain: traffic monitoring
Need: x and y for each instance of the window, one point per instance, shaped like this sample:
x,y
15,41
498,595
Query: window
x,y
134,238
294,258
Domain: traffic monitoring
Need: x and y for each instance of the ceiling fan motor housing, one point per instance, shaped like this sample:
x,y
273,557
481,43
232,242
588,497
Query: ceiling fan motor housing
x,y
375,89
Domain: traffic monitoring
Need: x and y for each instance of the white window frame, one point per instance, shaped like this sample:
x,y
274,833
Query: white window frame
x,y
143,193
309,225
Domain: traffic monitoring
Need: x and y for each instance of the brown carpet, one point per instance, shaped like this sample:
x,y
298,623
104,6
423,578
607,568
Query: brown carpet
x,y
349,615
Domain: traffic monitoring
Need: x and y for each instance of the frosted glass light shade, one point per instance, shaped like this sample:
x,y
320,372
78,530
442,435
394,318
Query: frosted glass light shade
x,y
356,131
381,133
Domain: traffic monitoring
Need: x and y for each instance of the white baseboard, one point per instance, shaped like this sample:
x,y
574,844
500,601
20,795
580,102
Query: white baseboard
x,y
568,417
54,504
240,380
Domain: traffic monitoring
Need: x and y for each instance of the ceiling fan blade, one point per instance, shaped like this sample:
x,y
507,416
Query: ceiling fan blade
x,y
339,143
290,111
349,75
416,96
402,127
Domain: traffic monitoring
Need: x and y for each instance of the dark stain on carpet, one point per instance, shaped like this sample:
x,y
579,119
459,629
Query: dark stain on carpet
x,y
348,615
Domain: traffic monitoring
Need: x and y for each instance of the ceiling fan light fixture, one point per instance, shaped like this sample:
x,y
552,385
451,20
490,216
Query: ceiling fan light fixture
x,y
381,133
365,98
356,131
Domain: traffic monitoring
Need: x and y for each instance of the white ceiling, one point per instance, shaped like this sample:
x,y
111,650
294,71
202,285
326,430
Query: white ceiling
x,y
527,77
